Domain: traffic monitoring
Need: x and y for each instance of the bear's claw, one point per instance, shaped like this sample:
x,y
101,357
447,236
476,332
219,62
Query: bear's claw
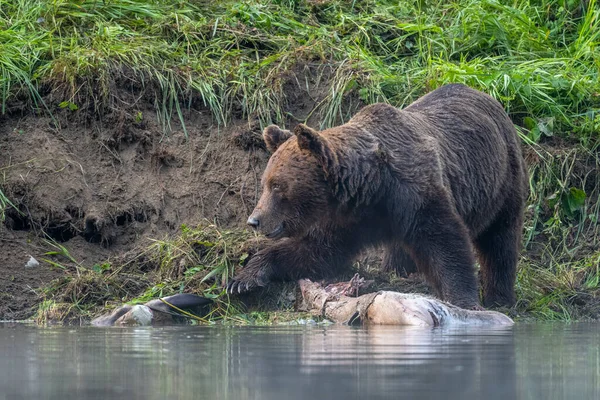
x,y
250,278
240,287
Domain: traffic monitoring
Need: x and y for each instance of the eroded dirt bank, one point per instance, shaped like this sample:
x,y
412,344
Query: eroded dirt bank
x,y
101,189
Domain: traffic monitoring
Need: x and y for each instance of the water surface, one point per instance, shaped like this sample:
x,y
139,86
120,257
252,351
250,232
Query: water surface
x,y
545,361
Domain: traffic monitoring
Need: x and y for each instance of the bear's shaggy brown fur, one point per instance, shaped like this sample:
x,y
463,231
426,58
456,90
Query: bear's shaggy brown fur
x,y
433,182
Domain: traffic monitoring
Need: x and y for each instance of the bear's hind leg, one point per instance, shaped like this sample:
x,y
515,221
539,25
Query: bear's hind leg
x,y
498,248
396,259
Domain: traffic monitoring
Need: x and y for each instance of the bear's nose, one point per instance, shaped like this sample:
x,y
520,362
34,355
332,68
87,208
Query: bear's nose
x,y
253,222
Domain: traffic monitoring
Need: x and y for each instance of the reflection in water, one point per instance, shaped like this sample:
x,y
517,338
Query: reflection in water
x,y
523,362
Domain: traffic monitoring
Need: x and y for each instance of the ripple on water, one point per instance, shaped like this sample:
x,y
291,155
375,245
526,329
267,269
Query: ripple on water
x,y
527,361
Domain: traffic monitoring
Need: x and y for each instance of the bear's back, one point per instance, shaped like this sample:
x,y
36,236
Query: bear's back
x,y
459,133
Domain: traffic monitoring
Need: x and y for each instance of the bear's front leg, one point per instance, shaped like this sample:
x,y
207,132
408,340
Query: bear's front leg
x,y
290,259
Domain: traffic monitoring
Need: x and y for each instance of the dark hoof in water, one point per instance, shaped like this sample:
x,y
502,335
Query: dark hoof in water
x,y
185,301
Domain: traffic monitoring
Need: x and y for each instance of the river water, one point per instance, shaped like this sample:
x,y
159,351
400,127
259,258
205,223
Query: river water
x,y
528,361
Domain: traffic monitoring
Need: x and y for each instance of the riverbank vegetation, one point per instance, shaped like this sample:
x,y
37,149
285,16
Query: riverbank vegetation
x,y
539,58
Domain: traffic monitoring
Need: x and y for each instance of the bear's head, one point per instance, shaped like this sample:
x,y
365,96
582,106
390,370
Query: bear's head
x,y
311,174
295,192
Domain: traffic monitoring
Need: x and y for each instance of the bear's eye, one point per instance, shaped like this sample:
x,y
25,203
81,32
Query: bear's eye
x,y
275,187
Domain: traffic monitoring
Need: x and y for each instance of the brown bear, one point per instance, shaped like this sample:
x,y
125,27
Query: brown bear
x,y
432,182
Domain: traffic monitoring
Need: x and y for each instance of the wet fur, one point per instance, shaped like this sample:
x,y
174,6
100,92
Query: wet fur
x,y
432,183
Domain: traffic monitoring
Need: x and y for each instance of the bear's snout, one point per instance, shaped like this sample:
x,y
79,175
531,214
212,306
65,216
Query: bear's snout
x,y
267,226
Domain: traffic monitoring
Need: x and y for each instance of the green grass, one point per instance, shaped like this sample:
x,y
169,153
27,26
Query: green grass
x,y
559,291
540,58
560,268
4,204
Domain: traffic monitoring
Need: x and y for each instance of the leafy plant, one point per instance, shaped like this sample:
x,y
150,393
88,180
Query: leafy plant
x,y
69,105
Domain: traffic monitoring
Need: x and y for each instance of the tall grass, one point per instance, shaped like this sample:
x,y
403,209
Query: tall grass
x,y
559,273
539,57
5,203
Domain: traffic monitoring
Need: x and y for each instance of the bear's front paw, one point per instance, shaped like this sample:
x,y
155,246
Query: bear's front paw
x,y
247,280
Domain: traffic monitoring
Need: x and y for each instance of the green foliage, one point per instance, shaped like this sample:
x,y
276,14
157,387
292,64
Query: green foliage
x,y
538,128
102,268
199,260
560,269
60,252
206,252
564,197
559,290
69,105
540,58
4,204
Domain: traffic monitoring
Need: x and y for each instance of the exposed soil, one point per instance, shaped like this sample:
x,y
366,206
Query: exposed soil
x,y
101,184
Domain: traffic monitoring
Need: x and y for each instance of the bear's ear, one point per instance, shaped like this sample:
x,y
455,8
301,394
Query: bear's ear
x,y
275,137
309,139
